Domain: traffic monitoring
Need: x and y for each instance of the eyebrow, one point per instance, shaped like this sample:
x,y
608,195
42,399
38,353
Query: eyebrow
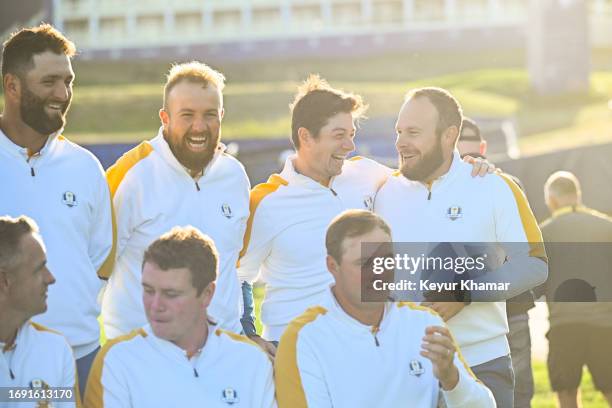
x,y
56,76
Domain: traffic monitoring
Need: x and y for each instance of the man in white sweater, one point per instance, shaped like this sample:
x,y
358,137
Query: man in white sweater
x,y
433,199
346,352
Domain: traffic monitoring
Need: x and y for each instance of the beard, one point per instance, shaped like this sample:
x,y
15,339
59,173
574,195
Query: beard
x,y
426,166
32,109
194,161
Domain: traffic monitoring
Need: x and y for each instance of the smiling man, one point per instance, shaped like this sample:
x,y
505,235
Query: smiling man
x,y
348,352
55,182
180,358
181,177
31,356
418,203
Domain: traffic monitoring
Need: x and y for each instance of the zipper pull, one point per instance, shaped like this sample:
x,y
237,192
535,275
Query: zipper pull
x,y
195,373
32,172
197,186
429,196
11,373
333,192
376,341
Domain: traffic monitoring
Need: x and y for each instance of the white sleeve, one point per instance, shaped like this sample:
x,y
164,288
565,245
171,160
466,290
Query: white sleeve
x,y
516,229
257,245
266,398
125,215
469,392
101,242
69,380
299,377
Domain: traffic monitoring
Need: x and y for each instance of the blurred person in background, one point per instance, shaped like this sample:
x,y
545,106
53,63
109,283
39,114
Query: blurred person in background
x,y
57,183
579,332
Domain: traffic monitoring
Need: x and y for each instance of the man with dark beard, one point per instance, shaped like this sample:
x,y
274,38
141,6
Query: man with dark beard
x,y
55,182
180,177
433,199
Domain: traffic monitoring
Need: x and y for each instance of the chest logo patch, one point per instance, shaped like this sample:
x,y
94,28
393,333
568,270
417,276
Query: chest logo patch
x,y
226,210
229,396
368,203
454,213
416,368
69,198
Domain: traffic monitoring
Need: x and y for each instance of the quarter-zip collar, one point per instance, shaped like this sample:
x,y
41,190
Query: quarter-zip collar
x,y
15,150
290,174
350,323
163,149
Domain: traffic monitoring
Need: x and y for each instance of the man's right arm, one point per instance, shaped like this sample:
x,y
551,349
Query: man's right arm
x,y
106,386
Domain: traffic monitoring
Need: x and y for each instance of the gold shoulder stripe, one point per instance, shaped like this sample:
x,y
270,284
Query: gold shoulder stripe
x,y
396,173
240,338
530,225
355,158
40,327
94,394
289,388
414,306
116,173
258,193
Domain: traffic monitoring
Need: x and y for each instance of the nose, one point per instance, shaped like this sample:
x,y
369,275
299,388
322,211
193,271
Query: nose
x,y
349,144
199,125
157,303
49,278
62,91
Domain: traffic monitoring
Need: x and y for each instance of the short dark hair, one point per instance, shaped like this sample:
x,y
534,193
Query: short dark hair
x,y
316,101
12,230
469,123
350,224
185,247
449,109
24,44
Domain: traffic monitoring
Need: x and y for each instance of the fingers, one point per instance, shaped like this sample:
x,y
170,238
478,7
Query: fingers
x,y
271,349
438,345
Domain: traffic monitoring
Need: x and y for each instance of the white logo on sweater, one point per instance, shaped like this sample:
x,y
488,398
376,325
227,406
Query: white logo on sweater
x,y
229,396
416,368
226,210
69,198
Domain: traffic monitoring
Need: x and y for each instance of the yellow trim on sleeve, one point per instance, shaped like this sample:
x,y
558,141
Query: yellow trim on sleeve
x,y
289,388
414,306
116,173
530,225
258,193
40,327
108,265
94,392
240,338
355,158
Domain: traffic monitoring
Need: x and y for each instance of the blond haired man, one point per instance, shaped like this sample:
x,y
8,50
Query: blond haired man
x,y
180,177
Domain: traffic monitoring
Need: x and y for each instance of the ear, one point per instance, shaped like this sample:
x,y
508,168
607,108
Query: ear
x,y
12,86
451,136
483,147
164,117
304,136
332,265
208,293
4,281
222,113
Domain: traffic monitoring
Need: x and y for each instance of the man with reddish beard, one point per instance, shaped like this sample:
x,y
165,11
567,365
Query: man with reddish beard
x,y
55,182
433,199
180,177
